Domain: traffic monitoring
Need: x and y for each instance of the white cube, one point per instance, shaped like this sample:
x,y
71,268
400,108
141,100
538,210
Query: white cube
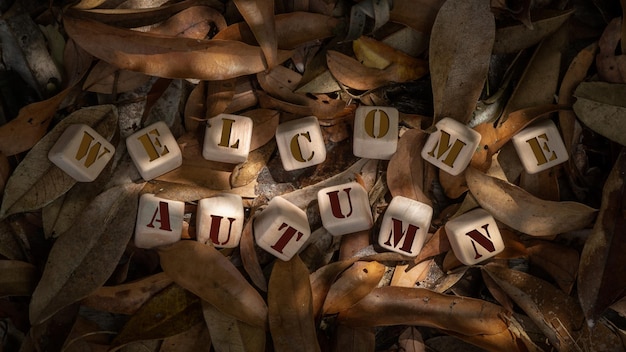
x,y
540,146
405,226
451,147
375,132
281,228
345,209
81,152
219,220
474,236
300,143
159,221
227,138
154,150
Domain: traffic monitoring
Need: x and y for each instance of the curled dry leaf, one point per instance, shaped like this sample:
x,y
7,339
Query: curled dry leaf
x,y
559,261
193,22
611,67
323,278
408,181
249,170
195,339
17,278
259,15
376,54
230,334
249,258
353,284
403,11
10,246
601,107
347,338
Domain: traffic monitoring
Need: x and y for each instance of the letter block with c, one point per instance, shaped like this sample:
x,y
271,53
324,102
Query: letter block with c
x,y
159,221
375,132
227,138
474,236
540,147
345,208
451,147
154,150
219,220
300,143
405,226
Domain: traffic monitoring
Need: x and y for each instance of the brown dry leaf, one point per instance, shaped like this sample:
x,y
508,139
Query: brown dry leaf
x,y
83,258
601,107
353,284
5,171
347,338
224,287
323,278
249,170
411,340
265,123
230,334
460,50
249,258
108,79
290,305
195,106
17,278
406,275
524,212
408,181
376,54
10,246
193,22
352,243
403,11
438,243
611,67
259,15
543,184
559,261
195,339
219,94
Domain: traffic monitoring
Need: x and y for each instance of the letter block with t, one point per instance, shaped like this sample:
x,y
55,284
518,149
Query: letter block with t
x,y
474,236
451,147
345,209
375,132
154,150
300,143
81,152
227,138
281,228
405,226
219,220
540,147
159,221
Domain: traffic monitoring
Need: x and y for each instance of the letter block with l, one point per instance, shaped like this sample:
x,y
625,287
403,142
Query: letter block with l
x,y
281,228
451,146
154,150
81,152
227,138
375,132
345,209
474,236
219,220
405,226
159,221
540,147
300,143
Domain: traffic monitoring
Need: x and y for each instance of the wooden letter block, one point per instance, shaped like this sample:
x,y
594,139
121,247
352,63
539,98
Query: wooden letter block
x,y
375,132
219,220
159,221
281,229
300,143
451,147
405,226
227,138
474,236
540,147
154,150
345,209
81,152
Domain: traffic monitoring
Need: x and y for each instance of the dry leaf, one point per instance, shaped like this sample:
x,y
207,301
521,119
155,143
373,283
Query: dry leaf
x,y
323,278
230,334
259,15
611,67
108,79
353,284
403,11
411,340
249,258
17,278
195,339
193,22
408,181
559,261
601,107
373,53
10,246
347,338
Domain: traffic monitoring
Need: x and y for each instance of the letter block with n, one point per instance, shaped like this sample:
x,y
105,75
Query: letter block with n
x,y
474,236
81,152
451,146
375,132
300,143
281,228
154,150
540,146
219,220
227,138
345,208
405,226
159,221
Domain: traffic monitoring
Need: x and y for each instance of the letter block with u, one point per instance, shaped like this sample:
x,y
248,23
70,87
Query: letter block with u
x,y
451,146
227,138
300,143
81,152
159,221
219,220
540,147
474,236
154,150
345,209
405,226
281,228
375,132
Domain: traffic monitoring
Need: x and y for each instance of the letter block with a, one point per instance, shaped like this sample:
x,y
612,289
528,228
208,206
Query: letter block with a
x,y
81,152
474,236
281,228
227,138
219,220
154,150
159,221
375,132
345,209
405,226
451,147
300,143
540,147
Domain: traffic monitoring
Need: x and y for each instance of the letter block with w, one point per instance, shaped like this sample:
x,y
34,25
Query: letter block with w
x,y
345,209
405,226
474,236
451,147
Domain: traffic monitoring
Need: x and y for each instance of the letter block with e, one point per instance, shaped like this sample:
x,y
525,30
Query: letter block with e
x,y
281,228
300,143
154,150
219,220
345,208
540,147
451,146
405,226
474,236
227,138
159,221
81,152
375,132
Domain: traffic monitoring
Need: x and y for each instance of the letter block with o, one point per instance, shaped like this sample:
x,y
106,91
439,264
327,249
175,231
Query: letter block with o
x,y
159,221
227,138
375,132
451,146
474,236
154,150
540,147
405,226
219,220
81,152
345,209
300,143
281,228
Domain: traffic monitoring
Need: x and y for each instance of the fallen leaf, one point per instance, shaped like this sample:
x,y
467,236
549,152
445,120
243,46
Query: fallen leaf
x,y
408,181
559,261
259,15
108,79
411,340
323,278
600,106
10,246
249,170
354,283
193,22
195,339
347,338
17,278
249,257
376,54
403,11
230,334
611,67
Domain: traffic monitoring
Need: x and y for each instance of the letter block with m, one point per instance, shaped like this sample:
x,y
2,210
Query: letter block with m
x,y
81,152
474,236
219,220
405,226
451,146
159,221
154,150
